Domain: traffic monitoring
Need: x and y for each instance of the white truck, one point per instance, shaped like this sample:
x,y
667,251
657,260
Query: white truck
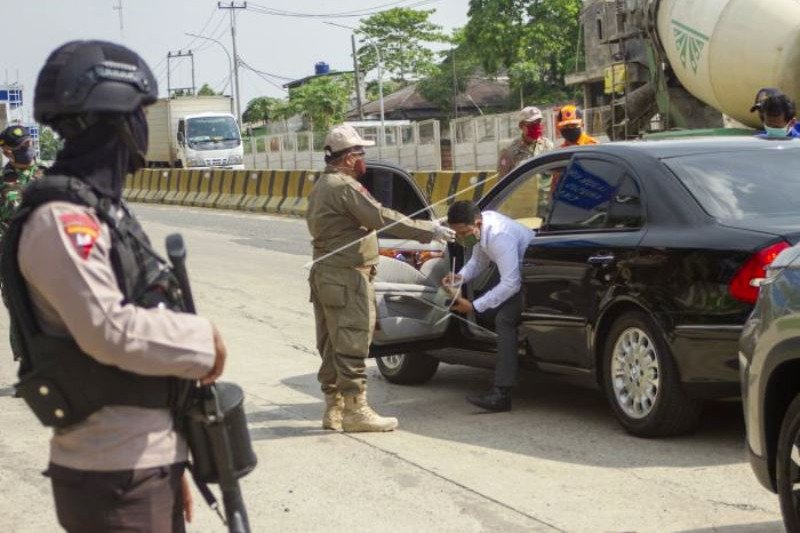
x,y
194,132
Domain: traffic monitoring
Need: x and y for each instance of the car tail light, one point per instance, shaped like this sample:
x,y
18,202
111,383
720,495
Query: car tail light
x,y
755,267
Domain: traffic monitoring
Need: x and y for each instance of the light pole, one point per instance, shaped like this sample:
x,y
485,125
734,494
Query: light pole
x,y
382,136
230,62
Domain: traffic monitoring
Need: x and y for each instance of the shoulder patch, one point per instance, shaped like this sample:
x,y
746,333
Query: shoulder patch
x,y
82,231
363,190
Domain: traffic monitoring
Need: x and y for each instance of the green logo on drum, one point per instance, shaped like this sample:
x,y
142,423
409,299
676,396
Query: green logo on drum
x,y
690,44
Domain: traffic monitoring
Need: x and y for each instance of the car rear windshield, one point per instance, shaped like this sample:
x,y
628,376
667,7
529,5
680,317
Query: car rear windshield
x,y
736,185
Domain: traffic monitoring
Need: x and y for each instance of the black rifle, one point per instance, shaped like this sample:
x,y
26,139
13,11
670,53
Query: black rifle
x,y
214,418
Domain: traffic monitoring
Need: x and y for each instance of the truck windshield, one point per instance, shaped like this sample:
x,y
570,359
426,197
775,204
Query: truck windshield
x,y
212,133
744,184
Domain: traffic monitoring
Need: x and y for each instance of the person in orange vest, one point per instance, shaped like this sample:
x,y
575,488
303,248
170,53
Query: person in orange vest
x,y
570,126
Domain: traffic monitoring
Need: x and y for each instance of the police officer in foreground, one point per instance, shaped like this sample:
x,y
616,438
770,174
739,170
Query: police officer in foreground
x,y
342,219
531,143
94,303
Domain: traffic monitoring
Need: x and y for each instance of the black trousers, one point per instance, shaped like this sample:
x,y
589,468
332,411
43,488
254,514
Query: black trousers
x,y
506,319
145,500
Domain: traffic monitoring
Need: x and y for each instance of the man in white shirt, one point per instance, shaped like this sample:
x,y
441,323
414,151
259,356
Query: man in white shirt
x,y
494,238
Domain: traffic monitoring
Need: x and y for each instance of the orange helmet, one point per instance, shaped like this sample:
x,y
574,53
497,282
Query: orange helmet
x,y
569,115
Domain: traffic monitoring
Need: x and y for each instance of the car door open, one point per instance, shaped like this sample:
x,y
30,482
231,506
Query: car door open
x,y
412,308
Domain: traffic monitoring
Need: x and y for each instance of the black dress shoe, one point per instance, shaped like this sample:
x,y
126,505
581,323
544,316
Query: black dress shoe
x,y
497,400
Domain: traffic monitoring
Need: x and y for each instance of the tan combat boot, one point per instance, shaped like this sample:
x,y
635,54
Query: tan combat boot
x,y
359,417
334,404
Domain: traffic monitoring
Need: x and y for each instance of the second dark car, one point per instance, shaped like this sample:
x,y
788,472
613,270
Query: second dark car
x,y
639,279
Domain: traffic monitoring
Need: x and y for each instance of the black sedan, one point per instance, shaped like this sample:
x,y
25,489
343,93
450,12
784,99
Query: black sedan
x,y
639,279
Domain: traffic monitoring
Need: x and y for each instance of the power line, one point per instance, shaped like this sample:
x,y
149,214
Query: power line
x,y
265,10
271,75
263,77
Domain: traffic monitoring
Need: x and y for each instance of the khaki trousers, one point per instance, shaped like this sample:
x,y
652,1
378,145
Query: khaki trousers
x,y
344,309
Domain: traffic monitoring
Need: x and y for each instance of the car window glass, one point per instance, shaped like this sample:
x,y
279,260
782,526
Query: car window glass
x,y
528,200
393,190
584,195
626,207
737,185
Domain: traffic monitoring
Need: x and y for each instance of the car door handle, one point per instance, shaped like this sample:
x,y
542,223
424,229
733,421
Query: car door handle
x,y
602,259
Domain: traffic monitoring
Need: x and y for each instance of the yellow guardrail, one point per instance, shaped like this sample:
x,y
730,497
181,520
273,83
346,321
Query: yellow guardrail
x,y
280,191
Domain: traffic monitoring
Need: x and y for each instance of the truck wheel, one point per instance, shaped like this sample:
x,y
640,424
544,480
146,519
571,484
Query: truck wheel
x,y
787,466
408,369
641,380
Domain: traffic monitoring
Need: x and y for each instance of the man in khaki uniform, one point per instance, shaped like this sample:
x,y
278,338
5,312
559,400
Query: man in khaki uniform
x,y
342,219
120,466
531,143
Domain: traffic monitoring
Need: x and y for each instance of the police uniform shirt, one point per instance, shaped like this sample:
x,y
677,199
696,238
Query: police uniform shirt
x,y
519,151
503,242
342,214
64,256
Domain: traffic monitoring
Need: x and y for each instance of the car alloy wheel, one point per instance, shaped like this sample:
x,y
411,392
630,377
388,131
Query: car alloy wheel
x,y
408,368
635,373
787,465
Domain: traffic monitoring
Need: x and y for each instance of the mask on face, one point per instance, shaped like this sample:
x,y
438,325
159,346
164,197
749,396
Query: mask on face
x,y
534,131
776,132
23,155
360,168
468,241
137,122
571,134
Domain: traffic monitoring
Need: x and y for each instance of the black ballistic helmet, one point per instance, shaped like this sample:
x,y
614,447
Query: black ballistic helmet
x,y
86,77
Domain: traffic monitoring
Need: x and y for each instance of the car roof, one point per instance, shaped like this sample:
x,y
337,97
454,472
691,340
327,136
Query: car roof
x,y
662,149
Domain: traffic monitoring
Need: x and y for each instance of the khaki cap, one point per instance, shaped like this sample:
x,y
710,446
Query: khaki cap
x,y
343,137
529,114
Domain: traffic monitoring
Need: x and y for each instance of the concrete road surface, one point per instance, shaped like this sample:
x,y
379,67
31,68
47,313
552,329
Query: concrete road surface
x,y
558,462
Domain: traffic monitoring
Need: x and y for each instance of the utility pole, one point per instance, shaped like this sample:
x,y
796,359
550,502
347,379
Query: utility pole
x,y
358,77
177,55
118,7
233,6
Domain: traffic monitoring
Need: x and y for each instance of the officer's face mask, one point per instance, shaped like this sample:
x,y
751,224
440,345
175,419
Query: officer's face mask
x,y
137,124
571,134
359,166
534,131
23,155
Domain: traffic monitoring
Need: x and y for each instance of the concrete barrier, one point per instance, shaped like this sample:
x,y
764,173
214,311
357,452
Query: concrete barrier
x,y
280,191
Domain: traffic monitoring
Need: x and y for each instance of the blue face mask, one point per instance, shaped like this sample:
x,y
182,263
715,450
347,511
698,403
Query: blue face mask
x,y
775,132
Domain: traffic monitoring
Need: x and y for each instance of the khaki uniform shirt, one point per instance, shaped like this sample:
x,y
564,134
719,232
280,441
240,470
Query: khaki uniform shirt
x,y
341,211
519,151
64,258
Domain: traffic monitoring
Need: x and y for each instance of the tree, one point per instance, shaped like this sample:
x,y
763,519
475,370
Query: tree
x,y
260,109
535,41
323,101
206,90
446,81
400,34
49,144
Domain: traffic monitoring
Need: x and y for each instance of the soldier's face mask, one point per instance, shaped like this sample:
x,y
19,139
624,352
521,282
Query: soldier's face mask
x,y
24,154
534,130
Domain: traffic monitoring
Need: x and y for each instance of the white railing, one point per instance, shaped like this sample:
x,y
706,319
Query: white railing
x,y
415,146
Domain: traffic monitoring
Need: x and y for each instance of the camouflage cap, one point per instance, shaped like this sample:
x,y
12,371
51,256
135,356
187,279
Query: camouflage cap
x,y
530,114
343,137
13,136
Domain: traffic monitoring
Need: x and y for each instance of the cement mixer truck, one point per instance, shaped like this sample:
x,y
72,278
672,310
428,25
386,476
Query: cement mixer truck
x,y
664,64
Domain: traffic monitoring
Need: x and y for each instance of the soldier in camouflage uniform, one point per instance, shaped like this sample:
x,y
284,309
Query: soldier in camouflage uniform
x,y
342,220
531,143
17,145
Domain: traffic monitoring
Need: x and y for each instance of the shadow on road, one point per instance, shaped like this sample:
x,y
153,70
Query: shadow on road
x,y
551,420
761,527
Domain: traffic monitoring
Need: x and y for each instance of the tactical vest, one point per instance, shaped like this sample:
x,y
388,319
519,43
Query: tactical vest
x,y
59,382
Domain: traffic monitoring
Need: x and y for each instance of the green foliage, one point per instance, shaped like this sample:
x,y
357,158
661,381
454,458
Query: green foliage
x,y
323,101
49,144
206,90
401,35
446,80
534,40
261,109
